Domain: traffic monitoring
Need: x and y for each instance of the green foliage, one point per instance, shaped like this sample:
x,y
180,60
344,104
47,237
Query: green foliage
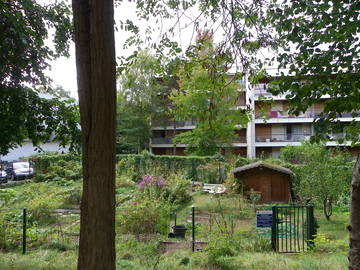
x,y
135,166
143,217
42,208
242,161
71,195
139,100
9,237
176,190
321,173
24,57
62,169
6,195
42,162
208,96
325,61
218,248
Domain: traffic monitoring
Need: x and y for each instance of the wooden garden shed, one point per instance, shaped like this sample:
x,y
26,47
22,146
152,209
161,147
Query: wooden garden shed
x,y
271,181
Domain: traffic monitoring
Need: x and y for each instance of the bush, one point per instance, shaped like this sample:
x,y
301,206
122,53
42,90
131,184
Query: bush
x,y
42,162
42,208
143,218
72,195
218,247
135,166
10,238
176,191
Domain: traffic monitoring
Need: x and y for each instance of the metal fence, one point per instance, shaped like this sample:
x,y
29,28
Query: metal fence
x,y
20,231
293,228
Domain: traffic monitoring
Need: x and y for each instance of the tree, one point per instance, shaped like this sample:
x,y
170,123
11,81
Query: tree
x,y
326,61
132,128
319,47
322,175
207,95
143,87
24,26
95,61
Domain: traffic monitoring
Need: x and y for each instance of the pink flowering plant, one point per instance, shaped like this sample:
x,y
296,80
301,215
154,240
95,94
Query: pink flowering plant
x,y
152,185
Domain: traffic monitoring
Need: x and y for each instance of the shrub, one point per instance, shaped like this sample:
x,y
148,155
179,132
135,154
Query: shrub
x,y
218,247
135,166
176,191
42,208
9,238
42,162
6,195
143,218
72,195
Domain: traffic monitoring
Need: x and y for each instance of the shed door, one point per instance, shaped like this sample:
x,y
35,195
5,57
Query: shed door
x,y
279,187
265,188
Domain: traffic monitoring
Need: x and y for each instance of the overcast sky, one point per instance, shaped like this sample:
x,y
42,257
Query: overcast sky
x,y
63,71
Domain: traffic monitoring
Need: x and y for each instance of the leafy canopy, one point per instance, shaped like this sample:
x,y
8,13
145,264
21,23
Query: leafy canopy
x,y
207,95
319,45
24,55
321,173
140,98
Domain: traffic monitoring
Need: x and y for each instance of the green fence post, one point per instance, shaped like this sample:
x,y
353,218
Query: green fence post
x,y
193,228
24,232
310,225
273,228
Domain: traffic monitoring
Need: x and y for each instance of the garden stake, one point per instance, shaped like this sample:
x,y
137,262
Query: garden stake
x,y
193,228
24,232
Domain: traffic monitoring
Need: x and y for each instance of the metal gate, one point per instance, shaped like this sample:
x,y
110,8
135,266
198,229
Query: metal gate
x,y
293,228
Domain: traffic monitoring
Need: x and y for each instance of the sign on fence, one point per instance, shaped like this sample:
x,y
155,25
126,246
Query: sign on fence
x,y
264,219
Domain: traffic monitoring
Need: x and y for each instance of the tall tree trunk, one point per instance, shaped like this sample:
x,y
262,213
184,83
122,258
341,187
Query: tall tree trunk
x,y
95,61
354,228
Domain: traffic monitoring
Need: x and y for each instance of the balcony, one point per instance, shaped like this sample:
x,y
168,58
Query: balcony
x,y
160,140
285,114
282,137
239,139
179,124
260,90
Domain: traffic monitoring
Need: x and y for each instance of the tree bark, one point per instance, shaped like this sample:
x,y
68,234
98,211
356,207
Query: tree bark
x,y
95,61
354,228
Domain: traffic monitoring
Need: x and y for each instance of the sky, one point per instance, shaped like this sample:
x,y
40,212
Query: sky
x,y
63,70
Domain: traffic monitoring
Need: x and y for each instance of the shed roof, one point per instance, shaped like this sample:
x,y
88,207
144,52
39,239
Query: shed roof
x,y
262,164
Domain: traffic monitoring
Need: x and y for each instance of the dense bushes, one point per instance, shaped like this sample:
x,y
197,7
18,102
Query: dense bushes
x,y
135,166
42,162
153,200
62,169
322,175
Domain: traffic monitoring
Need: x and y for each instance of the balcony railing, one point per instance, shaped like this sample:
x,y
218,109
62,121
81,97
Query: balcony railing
x,y
282,137
285,114
239,139
306,114
168,123
160,140
260,90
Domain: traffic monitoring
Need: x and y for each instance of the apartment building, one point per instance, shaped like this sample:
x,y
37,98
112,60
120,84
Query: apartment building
x,y
271,127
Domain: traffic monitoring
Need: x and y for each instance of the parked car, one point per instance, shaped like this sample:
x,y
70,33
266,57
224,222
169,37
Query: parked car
x,y
3,176
19,170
